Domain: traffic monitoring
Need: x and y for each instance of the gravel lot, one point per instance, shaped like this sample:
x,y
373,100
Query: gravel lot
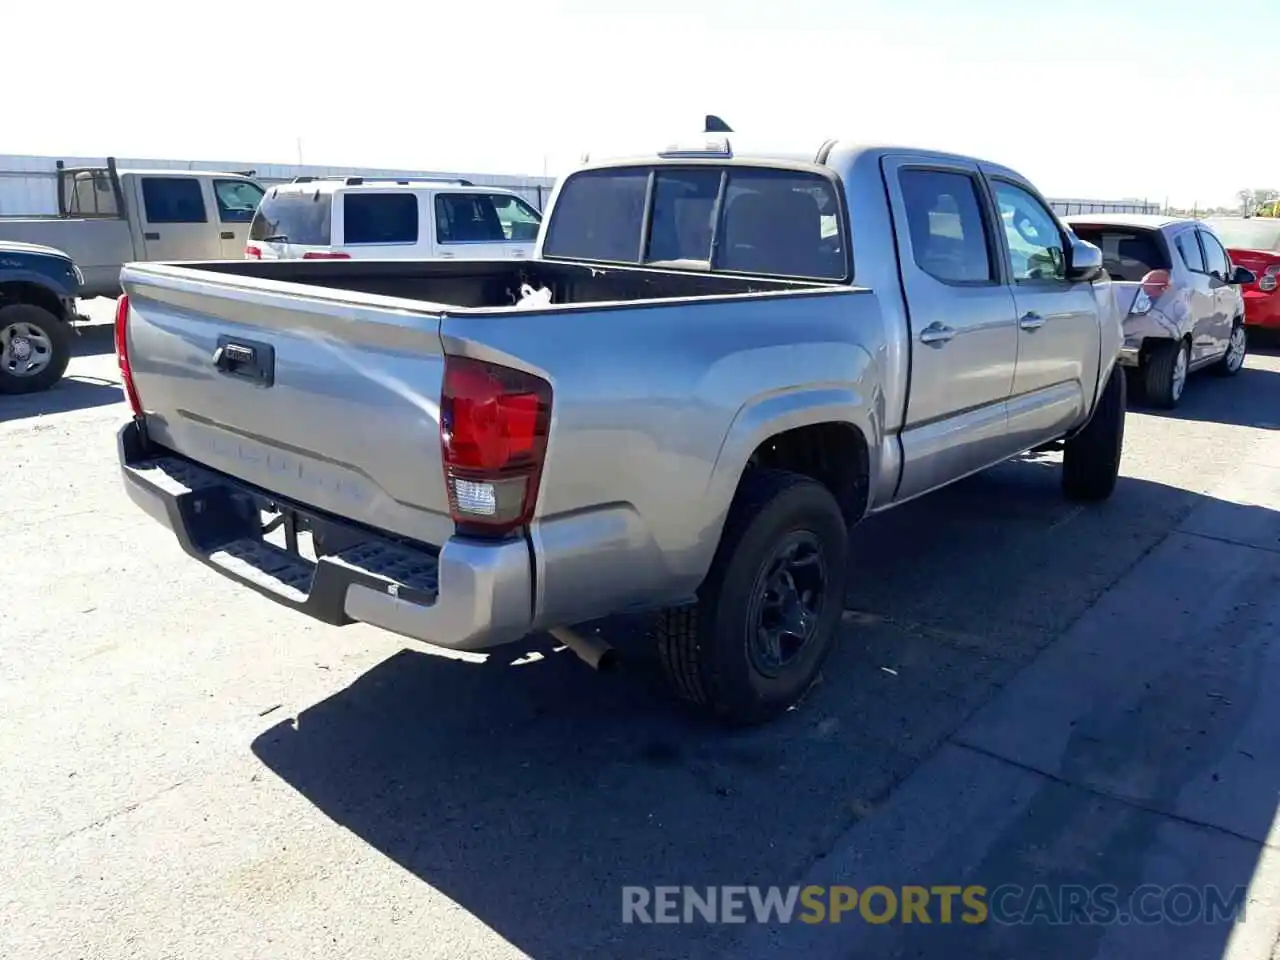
x,y
1027,691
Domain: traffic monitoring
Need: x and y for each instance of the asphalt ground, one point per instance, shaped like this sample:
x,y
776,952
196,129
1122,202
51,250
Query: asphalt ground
x,y
1026,692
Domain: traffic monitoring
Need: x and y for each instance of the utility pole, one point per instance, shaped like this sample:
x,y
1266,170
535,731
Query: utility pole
x,y
299,151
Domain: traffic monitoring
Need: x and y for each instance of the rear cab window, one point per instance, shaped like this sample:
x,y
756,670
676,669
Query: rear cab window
x,y
766,221
293,217
1128,253
370,217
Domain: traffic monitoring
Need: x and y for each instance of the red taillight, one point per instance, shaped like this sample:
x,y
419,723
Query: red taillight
x,y
325,255
493,436
122,355
1155,283
253,253
1268,281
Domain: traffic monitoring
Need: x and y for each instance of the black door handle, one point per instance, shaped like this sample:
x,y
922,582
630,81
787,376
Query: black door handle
x,y
228,235
151,236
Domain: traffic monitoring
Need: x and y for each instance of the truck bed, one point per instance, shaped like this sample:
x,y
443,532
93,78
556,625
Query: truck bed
x,y
483,284
347,422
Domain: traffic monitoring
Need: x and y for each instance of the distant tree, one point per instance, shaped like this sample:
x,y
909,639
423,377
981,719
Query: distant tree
x,y
1254,200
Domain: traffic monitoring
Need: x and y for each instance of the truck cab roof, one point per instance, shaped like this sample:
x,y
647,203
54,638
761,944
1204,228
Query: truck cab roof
x,y
823,154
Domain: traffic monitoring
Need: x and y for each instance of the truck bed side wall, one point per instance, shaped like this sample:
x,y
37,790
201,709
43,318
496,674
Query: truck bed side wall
x,y
657,409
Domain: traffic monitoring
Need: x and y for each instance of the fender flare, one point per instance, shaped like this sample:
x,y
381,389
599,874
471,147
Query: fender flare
x,y
857,405
38,280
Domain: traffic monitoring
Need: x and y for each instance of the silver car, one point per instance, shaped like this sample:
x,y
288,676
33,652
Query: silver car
x,y
1179,293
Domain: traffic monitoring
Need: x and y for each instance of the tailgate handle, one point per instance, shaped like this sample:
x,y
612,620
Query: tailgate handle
x,y
246,359
151,236
227,235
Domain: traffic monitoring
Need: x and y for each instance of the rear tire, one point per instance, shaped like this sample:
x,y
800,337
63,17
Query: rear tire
x,y
767,613
1165,373
1232,361
28,333
1091,459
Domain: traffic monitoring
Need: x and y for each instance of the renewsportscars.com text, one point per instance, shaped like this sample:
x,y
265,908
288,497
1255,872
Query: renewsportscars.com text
x,y
950,903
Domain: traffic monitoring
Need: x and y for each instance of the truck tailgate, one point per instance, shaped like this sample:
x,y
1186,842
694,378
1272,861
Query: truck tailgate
x,y
289,387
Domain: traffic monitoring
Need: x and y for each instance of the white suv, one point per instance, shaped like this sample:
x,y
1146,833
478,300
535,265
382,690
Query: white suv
x,y
340,218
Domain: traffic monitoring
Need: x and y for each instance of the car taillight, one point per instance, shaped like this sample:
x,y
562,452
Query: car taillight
x,y
325,255
1155,283
253,253
494,422
122,355
1268,282
1153,286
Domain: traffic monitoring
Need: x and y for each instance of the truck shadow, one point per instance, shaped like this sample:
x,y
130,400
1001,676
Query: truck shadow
x,y
68,394
94,339
529,790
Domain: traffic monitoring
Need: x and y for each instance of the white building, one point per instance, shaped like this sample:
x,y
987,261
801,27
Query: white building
x,y
28,184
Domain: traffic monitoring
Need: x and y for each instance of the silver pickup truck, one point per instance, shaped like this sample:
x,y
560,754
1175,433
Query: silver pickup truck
x,y
743,355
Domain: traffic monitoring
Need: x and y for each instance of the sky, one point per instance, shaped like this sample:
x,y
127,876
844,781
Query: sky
x,y
1170,100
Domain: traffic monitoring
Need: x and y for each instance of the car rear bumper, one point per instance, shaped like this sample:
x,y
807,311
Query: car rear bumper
x,y
1262,309
467,595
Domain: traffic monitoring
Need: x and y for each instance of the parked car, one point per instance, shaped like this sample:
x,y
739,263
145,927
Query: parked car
x,y
341,218
1180,294
38,289
744,354
108,217
1254,243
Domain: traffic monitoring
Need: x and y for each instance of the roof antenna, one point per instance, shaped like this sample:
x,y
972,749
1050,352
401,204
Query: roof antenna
x,y
714,124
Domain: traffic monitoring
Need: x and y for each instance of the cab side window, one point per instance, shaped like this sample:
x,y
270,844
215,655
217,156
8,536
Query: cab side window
x,y
1189,250
1215,258
173,200
948,231
1036,248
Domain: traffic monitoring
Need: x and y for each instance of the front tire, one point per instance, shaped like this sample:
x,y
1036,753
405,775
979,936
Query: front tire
x,y
767,613
1232,361
1091,459
1165,373
35,348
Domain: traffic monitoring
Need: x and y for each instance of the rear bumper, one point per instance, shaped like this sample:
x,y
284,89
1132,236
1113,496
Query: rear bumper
x,y
1262,309
468,595
1141,327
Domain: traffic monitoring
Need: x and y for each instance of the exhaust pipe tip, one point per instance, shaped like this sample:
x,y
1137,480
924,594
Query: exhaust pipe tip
x,y
593,651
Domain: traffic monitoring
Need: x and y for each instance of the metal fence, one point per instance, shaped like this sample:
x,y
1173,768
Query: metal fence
x,y
1068,207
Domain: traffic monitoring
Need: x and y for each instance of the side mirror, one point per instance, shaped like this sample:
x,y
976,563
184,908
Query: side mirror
x,y
1242,277
1085,262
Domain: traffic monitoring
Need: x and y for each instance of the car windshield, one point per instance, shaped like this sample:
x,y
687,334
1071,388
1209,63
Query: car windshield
x,y
1251,234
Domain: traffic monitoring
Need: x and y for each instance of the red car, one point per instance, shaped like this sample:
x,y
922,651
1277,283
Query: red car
x,y
1254,243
